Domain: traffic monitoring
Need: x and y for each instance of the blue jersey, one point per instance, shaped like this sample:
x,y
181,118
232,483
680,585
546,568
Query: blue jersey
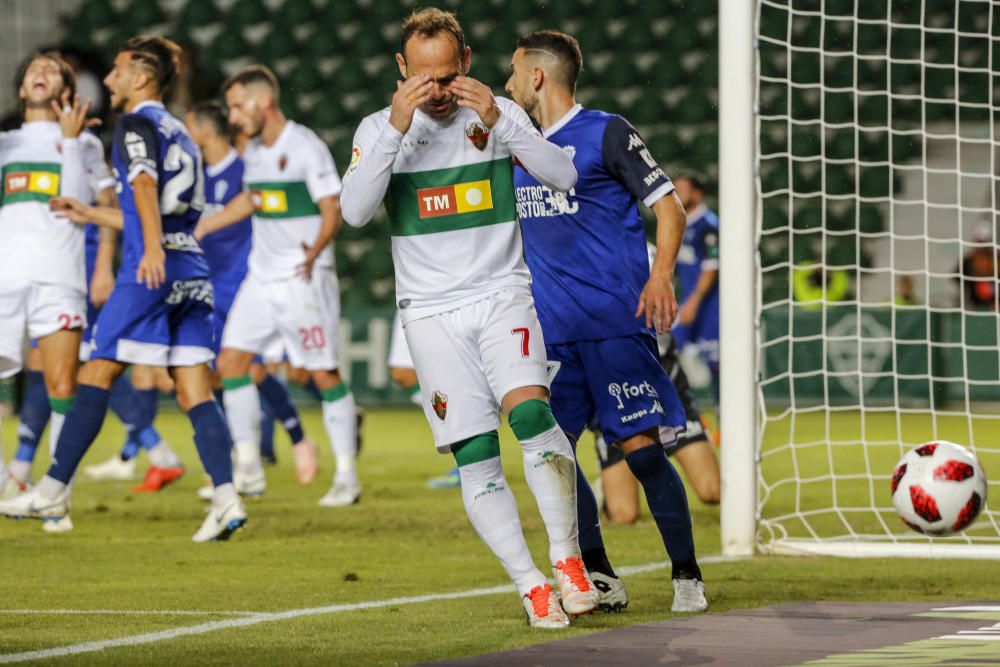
x,y
227,249
699,252
149,140
587,250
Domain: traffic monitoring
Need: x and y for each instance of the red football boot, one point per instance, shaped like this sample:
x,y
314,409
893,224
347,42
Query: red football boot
x,y
157,478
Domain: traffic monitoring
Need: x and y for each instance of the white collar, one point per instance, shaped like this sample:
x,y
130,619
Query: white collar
x,y
699,212
561,123
214,170
147,103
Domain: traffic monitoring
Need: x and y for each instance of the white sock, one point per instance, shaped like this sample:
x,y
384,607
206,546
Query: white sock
x,y
340,417
493,512
243,413
222,495
550,470
19,470
161,456
50,488
56,421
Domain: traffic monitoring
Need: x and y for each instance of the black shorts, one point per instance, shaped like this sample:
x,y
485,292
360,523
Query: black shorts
x,y
611,453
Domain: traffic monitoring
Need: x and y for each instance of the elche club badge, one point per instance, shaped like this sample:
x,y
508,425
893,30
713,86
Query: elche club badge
x,y
440,404
477,134
282,162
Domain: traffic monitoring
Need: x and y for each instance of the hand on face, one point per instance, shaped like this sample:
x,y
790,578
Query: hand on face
x,y
476,96
409,95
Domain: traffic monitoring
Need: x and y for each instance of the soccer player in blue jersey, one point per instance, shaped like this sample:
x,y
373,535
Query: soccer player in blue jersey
x,y
698,273
160,311
227,251
598,301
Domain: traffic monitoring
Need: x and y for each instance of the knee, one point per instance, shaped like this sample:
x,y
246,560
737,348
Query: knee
x,y
326,379
189,397
622,514
708,490
404,377
63,386
231,365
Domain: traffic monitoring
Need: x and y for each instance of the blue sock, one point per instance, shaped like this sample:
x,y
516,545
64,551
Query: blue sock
x,y
314,390
274,398
713,367
213,441
149,400
667,502
130,449
587,514
83,423
266,433
124,401
148,437
35,411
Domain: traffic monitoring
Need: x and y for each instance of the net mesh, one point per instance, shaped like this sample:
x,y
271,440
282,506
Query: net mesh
x,y
878,173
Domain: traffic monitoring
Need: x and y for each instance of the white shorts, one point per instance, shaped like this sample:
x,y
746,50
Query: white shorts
x,y
399,351
469,358
39,310
301,318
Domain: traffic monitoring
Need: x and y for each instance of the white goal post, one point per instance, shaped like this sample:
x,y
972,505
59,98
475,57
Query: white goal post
x,y
859,168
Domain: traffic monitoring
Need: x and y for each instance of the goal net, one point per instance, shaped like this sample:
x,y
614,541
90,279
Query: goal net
x,y
877,193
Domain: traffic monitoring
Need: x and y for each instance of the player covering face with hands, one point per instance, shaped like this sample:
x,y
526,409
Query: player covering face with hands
x,y
440,156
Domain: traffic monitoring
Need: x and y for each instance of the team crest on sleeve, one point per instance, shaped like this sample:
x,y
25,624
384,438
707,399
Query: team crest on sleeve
x,y
440,404
477,134
135,146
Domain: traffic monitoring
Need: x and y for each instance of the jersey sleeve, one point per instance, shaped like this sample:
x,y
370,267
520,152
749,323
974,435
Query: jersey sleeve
x,y
708,248
545,161
96,165
367,179
322,178
137,141
627,158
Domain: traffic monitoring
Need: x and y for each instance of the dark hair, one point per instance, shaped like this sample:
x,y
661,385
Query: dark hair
x,y
431,22
251,75
65,69
563,47
213,113
157,54
695,182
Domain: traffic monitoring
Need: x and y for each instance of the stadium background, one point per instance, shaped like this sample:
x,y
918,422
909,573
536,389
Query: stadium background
x,y
656,62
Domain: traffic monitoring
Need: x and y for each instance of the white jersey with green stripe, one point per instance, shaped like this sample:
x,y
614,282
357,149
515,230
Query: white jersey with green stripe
x,y
37,245
447,186
285,181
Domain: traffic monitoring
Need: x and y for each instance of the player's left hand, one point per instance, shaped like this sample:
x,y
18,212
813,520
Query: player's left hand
x,y
305,269
152,268
658,303
688,312
72,115
476,96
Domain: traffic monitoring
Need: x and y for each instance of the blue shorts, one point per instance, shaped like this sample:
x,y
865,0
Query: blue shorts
x,y
703,334
224,296
620,380
168,326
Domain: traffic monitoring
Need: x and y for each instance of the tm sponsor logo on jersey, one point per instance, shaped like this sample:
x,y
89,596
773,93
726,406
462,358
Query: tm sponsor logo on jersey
x,y
539,201
454,199
627,391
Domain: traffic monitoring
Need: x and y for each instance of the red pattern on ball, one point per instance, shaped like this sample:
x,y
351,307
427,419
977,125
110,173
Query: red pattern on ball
x,y
968,513
926,450
953,471
897,476
924,504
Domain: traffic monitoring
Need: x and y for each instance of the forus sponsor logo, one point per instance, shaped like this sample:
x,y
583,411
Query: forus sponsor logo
x,y
627,391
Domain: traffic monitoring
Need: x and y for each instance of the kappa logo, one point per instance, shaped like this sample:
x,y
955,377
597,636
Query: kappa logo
x,y
439,402
625,391
477,134
570,151
635,141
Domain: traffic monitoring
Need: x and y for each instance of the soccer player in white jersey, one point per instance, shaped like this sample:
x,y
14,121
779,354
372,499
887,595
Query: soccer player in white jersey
x,y
290,293
43,288
441,158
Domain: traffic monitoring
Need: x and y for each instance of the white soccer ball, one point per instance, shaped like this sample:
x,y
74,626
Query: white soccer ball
x,y
938,488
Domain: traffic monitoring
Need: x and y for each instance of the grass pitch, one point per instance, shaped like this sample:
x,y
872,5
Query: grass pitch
x,y
131,557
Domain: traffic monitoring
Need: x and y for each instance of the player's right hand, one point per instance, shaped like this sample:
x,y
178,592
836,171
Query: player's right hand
x,y
74,209
409,95
72,115
152,268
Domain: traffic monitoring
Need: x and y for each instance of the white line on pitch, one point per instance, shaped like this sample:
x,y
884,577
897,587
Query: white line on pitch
x,y
266,617
128,612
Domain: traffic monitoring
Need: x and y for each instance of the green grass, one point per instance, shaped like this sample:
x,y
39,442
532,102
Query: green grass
x,y
134,553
